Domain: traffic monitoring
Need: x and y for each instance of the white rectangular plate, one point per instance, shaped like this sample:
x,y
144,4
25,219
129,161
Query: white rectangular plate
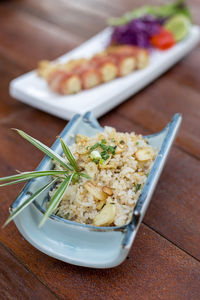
x,y
33,90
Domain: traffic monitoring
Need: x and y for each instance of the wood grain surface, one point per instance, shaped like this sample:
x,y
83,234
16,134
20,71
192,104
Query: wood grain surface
x,y
164,260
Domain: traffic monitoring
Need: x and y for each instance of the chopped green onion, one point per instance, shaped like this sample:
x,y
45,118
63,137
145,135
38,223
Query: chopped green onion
x,y
95,155
94,147
105,155
122,142
101,161
138,187
96,161
103,141
103,146
111,149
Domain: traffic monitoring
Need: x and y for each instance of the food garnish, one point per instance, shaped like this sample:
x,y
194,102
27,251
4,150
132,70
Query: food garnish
x,y
163,40
179,26
138,187
70,173
159,11
96,156
152,26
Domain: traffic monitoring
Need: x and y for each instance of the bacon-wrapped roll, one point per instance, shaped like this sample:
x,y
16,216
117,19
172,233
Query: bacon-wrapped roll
x,y
55,79
70,84
106,67
45,68
78,74
90,77
126,64
141,55
74,64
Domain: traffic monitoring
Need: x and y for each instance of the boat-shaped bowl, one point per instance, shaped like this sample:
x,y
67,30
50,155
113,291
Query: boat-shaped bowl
x,y
87,245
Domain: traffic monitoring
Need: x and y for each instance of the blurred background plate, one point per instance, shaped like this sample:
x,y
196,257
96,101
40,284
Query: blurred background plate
x,y
33,90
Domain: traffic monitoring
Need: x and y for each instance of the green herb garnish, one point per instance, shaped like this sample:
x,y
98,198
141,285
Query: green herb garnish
x,y
122,142
137,143
105,155
106,150
101,161
167,10
94,147
137,187
75,178
103,141
70,173
96,161
111,149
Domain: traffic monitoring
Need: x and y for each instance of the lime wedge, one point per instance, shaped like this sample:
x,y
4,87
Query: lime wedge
x,y
179,25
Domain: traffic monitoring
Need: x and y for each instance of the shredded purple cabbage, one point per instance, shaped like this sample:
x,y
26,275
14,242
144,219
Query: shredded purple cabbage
x,y
138,32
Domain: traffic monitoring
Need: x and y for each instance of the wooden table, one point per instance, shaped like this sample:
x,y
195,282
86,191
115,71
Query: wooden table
x,y
164,260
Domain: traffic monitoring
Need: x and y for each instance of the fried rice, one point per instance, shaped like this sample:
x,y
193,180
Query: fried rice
x,y
118,165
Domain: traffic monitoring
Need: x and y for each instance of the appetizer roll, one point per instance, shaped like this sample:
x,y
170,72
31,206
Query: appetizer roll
x,y
106,66
55,79
90,78
141,55
70,84
126,64
45,67
79,74
74,64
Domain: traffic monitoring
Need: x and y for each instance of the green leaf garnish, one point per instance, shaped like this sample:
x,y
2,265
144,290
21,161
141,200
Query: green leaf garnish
x,y
57,197
103,146
84,175
70,173
30,175
75,178
69,155
45,149
27,202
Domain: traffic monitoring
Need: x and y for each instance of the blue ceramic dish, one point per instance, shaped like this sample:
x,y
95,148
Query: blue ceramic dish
x,y
87,245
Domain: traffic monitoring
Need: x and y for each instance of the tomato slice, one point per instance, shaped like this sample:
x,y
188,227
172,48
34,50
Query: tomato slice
x,y
163,40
